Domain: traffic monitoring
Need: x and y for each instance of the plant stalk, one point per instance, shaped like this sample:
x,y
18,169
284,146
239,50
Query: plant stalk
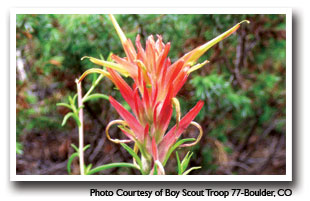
x,y
81,131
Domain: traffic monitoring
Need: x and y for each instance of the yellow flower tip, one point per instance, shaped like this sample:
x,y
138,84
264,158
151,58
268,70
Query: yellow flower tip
x,y
85,57
247,21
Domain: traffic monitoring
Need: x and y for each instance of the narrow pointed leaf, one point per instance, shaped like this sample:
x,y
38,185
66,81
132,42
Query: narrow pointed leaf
x,y
95,97
87,168
75,148
176,145
64,105
191,169
186,160
70,162
179,164
109,166
65,119
133,154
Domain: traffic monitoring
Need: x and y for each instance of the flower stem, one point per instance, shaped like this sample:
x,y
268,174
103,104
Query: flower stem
x,y
81,132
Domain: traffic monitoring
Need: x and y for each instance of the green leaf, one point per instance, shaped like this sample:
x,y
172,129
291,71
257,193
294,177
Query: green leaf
x,y
101,57
86,147
70,161
110,57
134,155
77,120
75,148
109,166
70,100
87,168
65,105
70,114
95,76
155,170
176,145
186,160
179,164
96,96
74,98
191,169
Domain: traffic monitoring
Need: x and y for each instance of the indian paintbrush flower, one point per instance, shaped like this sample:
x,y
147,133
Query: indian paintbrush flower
x,y
152,97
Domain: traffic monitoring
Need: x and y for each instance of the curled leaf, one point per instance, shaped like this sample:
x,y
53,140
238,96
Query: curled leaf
x,y
117,141
94,70
198,138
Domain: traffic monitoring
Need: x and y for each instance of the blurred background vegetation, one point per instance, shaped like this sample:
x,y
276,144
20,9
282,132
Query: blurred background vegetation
x,y
243,88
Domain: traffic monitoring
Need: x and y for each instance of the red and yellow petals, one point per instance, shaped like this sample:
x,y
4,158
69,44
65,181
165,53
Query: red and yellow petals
x,y
154,149
131,68
161,59
141,53
130,51
143,71
154,94
174,133
174,71
138,106
164,123
119,68
194,55
129,118
159,45
146,131
155,112
160,167
146,97
165,114
150,54
163,76
179,81
124,88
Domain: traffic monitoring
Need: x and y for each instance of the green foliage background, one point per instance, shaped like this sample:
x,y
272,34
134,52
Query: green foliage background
x,y
243,88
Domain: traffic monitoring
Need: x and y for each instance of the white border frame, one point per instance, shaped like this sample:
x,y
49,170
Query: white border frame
x,y
286,11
